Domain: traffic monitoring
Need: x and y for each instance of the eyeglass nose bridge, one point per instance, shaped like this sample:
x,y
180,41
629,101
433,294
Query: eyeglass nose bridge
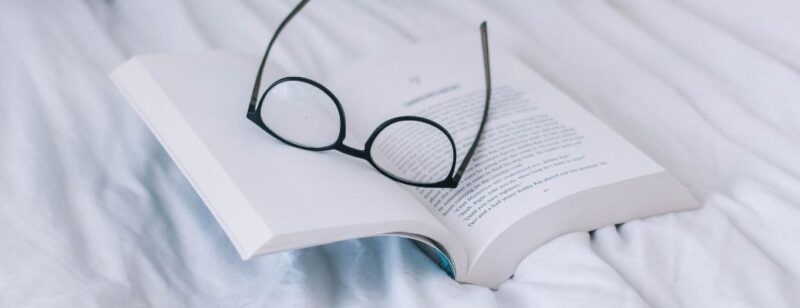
x,y
341,147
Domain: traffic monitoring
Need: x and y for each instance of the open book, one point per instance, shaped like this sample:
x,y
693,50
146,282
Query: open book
x,y
543,168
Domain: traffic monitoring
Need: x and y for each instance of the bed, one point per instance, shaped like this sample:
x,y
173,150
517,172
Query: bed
x,y
93,213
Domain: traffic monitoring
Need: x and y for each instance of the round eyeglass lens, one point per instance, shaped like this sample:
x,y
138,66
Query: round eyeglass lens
x,y
301,114
413,151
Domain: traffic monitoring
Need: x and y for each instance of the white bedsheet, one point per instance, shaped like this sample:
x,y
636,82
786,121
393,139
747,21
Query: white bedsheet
x,y
93,213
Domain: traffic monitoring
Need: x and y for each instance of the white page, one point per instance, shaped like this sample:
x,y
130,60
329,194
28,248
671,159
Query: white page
x,y
444,82
304,198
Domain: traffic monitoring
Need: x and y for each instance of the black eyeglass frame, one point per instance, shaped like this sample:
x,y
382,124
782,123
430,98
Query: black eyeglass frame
x,y
453,177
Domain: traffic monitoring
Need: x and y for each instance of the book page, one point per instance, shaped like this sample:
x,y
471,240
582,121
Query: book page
x,y
538,145
196,105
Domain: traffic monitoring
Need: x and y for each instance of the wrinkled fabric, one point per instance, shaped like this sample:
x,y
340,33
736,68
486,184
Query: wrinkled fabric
x,y
93,213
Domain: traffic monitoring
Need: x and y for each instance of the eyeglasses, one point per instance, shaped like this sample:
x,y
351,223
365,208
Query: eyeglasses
x,y
411,150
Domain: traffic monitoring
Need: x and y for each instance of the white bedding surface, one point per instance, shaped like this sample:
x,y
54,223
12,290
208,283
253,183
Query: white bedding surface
x,y
93,213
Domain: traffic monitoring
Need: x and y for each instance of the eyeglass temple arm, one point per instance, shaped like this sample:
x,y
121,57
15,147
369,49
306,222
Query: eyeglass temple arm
x,y
257,86
488,77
